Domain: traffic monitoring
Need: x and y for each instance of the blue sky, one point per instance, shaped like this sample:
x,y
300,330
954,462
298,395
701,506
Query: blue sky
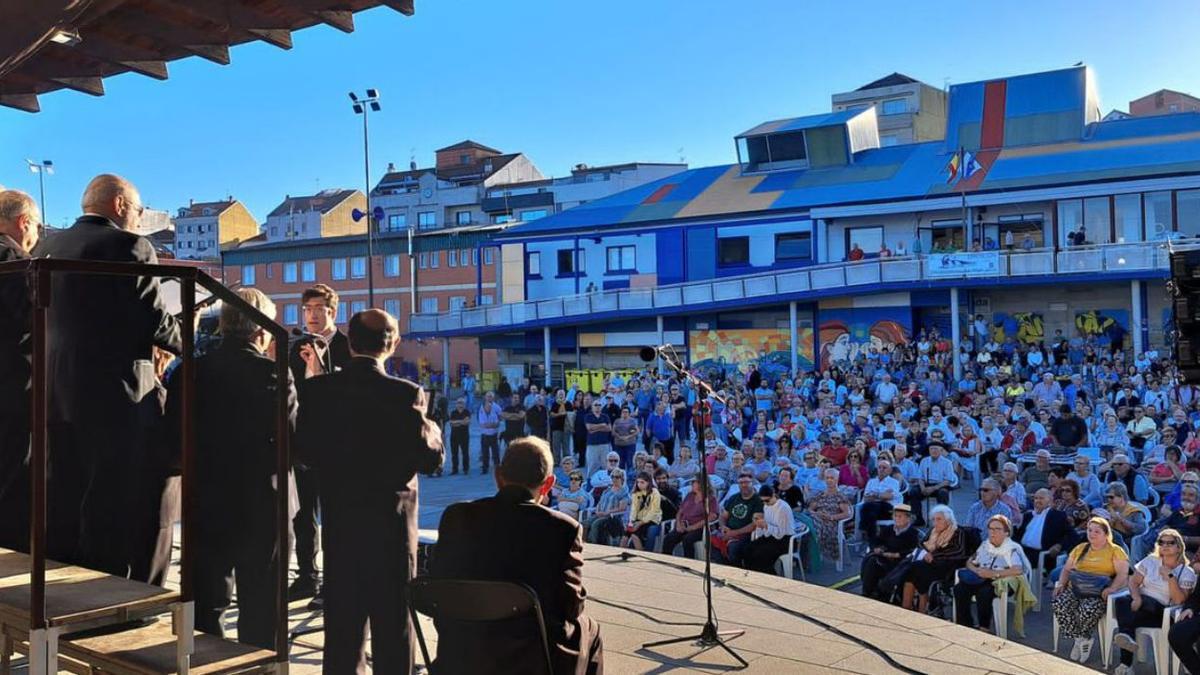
x,y
563,81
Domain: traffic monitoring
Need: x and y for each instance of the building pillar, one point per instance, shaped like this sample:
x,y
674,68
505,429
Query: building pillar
x,y
661,339
546,353
794,331
1136,319
446,368
955,333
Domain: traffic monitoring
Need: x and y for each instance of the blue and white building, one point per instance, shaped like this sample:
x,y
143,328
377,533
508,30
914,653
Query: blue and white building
x,y
755,259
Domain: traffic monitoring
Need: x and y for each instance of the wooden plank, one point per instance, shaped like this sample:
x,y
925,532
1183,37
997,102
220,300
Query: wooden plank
x,y
151,650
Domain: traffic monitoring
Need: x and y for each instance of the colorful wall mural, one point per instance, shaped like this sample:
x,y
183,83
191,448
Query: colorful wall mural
x,y
1105,325
847,333
1026,327
736,349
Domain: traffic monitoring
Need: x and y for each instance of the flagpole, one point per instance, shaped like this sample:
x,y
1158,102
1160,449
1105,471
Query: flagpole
x,y
962,191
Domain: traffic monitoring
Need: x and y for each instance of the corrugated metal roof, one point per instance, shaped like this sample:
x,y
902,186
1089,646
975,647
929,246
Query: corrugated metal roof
x,y
356,245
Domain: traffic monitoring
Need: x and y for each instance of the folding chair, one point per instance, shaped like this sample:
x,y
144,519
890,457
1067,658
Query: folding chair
x,y
472,601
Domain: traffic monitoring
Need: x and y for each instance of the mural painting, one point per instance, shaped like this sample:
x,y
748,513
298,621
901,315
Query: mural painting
x,y
1105,326
847,334
1024,327
736,349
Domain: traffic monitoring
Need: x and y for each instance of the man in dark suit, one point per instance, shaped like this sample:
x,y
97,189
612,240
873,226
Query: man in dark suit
x,y
320,305
367,435
102,333
511,537
236,484
19,220
1043,529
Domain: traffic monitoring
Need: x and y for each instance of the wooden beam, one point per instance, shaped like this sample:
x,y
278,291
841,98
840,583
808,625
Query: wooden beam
x,y
26,102
212,45
87,85
235,18
122,54
342,20
405,7
280,37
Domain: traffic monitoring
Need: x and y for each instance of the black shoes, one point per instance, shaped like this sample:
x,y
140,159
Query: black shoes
x,y
303,587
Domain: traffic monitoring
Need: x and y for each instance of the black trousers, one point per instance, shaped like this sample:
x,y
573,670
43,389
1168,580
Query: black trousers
x,y
760,554
981,595
874,569
14,482
304,524
1149,615
225,556
687,539
460,442
489,443
915,499
872,513
1185,638
158,510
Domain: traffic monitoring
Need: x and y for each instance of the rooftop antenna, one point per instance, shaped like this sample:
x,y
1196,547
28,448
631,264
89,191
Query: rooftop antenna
x,y
682,157
412,157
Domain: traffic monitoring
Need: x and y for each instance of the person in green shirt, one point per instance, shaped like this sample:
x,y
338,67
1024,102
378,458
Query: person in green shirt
x,y
737,520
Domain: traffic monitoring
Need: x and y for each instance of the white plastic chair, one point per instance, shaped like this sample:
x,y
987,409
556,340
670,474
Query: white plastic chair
x,y
665,528
1039,580
1156,637
999,606
843,548
1102,632
793,552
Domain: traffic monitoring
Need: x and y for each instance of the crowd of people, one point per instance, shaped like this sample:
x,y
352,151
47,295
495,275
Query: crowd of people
x,y
1082,457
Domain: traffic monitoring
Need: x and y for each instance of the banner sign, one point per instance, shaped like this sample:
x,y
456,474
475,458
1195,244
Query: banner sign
x,y
982,263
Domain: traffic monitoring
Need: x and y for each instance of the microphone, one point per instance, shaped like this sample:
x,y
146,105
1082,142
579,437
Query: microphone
x,y
648,353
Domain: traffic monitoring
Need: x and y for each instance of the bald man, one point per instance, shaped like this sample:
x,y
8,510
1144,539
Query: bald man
x,y
101,377
368,436
19,220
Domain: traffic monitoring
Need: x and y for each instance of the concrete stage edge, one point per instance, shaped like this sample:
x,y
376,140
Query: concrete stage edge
x,y
652,598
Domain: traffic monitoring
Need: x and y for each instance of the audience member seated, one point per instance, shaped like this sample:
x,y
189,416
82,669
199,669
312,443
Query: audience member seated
x,y
689,520
1185,520
1090,488
852,476
989,505
936,479
685,468
1094,570
1045,529
773,527
827,509
998,558
608,521
1076,509
893,544
1013,487
1126,518
943,551
787,489
1159,580
574,499
602,478
880,496
1036,477
1165,475
737,521
645,513
668,494
1185,633
1120,471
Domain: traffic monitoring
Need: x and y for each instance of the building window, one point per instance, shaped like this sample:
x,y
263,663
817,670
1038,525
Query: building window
x,y
337,269
391,265
532,214
291,314
622,259
270,270
793,246
489,256
435,259
429,305
308,271
569,264
533,264
274,230
475,257
426,220
397,222
340,316
289,273
733,251
1158,216
486,299
887,140
895,106
457,303
464,257
1127,213
1187,207
464,159
423,260
358,306
870,239
452,258
463,218
502,219
248,275
392,307
358,267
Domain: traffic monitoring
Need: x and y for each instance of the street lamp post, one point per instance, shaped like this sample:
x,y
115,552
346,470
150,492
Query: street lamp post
x,y
41,169
362,106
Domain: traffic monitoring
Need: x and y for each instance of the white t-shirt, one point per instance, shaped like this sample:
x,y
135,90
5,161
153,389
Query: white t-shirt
x,y
1155,586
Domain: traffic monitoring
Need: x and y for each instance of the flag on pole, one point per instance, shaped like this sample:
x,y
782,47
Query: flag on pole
x,y
952,167
34,167
970,165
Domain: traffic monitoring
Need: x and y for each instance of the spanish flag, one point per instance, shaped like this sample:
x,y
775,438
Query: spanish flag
x,y
952,167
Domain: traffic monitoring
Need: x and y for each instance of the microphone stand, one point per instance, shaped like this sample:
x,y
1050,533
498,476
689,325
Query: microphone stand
x,y
709,636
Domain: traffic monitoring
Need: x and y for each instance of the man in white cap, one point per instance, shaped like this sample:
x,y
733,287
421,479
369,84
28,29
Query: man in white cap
x,y
1037,476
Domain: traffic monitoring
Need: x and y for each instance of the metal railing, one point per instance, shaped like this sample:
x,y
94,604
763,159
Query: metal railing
x,y
1114,258
39,272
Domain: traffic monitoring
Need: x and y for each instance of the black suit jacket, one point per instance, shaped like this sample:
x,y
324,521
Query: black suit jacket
x,y
15,312
1054,531
103,328
368,436
234,422
339,356
509,538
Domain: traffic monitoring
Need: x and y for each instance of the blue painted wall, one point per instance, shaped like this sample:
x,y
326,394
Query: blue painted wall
x,y
595,262
669,250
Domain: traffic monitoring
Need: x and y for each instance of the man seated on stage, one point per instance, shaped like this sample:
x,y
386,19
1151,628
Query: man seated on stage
x,y
511,537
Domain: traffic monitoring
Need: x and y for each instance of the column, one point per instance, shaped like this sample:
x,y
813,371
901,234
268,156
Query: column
x,y
546,353
794,331
1136,322
446,369
661,339
955,333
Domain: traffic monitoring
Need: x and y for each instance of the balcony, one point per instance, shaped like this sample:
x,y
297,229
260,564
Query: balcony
x,y
991,267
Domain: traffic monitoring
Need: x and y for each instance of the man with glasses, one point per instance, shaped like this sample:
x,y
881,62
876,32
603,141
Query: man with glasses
x,y
1045,529
599,436
1126,518
602,477
989,505
1134,483
100,376
19,224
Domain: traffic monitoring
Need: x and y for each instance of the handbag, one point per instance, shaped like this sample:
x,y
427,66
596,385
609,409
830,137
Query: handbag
x,y
970,577
895,577
1086,585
